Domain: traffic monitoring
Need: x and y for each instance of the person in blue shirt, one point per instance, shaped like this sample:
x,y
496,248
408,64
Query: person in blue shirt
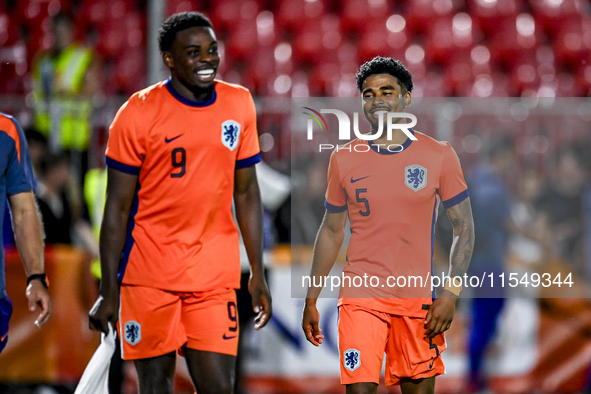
x,y
491,207
16,186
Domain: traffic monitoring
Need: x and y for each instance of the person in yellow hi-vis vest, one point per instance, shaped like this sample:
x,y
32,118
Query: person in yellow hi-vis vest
x,y
95,193
95,190
65,78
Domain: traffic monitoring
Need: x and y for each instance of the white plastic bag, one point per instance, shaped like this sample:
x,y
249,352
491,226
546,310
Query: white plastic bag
x,y
95,379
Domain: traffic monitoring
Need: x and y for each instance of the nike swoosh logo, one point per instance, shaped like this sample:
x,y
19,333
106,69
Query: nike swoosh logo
x,y
355,180
172,139
225,337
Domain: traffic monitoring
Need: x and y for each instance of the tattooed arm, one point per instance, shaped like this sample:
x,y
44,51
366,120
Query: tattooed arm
x,y
441,313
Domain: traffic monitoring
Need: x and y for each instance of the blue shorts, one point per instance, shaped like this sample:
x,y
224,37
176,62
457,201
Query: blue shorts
x,y
5,313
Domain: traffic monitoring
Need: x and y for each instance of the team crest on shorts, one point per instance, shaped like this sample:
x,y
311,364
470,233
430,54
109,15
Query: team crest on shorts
x,y
415,177
352,359
133,332
230,134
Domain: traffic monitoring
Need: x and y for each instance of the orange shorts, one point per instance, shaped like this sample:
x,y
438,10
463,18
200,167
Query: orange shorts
x,y
154,322
365,334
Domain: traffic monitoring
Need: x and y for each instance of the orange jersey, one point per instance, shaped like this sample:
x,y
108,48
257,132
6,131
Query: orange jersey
x,y
392,198
181,234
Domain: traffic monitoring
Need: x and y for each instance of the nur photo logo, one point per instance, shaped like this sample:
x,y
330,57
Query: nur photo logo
x,y
345,124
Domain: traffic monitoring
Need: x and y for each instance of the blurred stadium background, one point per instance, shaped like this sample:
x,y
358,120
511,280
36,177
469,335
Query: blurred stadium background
x,y
535,53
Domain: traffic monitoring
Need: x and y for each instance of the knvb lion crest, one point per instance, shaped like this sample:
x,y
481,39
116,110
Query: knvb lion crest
x,y
352,359
415,177
133,332
230,134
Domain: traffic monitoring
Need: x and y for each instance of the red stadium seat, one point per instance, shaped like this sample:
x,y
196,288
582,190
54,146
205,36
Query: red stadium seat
x,y
318,39
421,14
489,13
583,79
225,14
291,14
572,44
238,74
119,35
459,77
33,11
247,37
302,87
174,6
554,14
358,15
432,84
524,77
8,30
130,71
486,85
515,41
566,85
13,69
259,68
384,37
450,37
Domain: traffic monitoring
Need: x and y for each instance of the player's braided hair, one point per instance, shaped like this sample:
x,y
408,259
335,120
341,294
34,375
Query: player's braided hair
x,y
176,23
385,65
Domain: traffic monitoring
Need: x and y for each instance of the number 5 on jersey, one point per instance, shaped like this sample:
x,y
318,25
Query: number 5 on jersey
x,y
363,200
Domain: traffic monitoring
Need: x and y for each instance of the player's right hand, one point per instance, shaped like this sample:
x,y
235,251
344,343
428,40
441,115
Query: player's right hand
x,y
104,311
310,320
38,297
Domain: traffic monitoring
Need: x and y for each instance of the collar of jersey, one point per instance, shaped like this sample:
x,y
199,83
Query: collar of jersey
x,y
188,102
385,151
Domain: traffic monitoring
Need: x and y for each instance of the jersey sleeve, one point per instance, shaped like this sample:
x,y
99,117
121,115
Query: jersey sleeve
x,y
336,197
249,149
452,185
19,171
126,147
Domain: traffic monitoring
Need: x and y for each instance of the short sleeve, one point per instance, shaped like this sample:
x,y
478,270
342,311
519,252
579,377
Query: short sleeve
x,y
126,146
249,149
452,185
336,197
19,171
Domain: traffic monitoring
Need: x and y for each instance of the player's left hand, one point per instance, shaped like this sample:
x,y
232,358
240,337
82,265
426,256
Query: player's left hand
x,y
38,297
440,315
261,300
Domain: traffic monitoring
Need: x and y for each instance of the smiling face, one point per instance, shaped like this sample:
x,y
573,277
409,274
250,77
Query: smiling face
x,y
193,57
382,92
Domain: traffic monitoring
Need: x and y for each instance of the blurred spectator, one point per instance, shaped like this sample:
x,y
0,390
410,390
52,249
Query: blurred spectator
x,y
53,201
65,78
491,207
562,202
532,231
309,185
61,216
37,148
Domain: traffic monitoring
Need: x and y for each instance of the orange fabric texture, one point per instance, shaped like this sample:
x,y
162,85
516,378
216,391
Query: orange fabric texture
x,y
366,334
154,322
185,155
392,201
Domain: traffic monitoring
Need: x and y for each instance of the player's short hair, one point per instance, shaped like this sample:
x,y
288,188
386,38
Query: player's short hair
x,y
178,22
385,65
